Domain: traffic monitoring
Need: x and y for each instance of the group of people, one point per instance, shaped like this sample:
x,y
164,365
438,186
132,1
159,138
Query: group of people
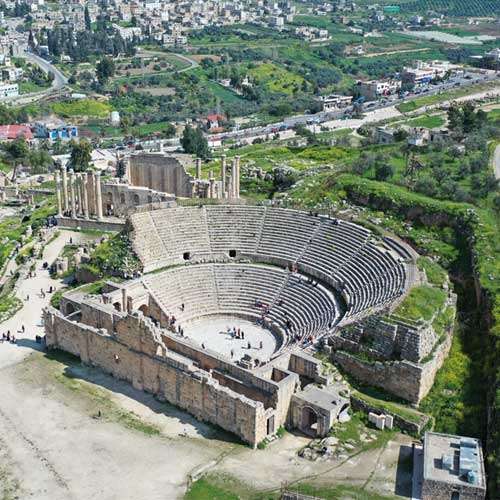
x,y
8,337
235,333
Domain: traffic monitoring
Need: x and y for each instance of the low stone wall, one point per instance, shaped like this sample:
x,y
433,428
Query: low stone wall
x,y
404,424
407,380
104,225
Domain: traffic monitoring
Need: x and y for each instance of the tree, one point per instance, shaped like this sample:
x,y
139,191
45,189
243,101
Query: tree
x,y
105,69
88,22
121,168
383,171
193,142
81,154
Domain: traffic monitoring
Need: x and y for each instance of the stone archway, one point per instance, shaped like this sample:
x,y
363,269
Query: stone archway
x,y
309,421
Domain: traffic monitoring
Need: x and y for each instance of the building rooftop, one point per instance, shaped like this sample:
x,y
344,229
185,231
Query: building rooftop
x,y
10,132
453,459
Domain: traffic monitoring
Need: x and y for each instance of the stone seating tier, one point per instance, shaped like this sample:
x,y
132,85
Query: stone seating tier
x,y
247,290
340,253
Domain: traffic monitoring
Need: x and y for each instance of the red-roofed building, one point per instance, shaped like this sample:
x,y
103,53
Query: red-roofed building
x,y
11,132
215,123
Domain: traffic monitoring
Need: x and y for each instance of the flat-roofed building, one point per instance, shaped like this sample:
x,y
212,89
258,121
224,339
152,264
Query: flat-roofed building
x,y
453,468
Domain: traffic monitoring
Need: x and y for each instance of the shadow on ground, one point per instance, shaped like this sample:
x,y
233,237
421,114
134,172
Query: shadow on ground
x,y
75,369
404,472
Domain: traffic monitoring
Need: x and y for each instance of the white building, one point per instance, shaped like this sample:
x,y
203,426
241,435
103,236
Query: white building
x,y
9,90
374,89
334,102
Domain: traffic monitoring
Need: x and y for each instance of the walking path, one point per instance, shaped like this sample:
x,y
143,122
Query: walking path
x,y
30,315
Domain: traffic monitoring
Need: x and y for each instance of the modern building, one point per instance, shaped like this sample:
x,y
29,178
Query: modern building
x,y
453,468
334,101
373,89
9,90
55,130
424,72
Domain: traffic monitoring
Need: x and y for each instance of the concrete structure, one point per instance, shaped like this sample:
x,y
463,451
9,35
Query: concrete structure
x,y
372,90
54,130
453,468
9,90
334,102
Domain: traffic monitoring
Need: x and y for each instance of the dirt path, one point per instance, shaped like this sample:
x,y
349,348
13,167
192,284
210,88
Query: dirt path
x,y
29,291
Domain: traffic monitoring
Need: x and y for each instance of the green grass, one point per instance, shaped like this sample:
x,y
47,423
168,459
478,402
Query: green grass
x,y
276,78
216,486
9,305
394,408
436,275
431,121
204,489
29,87
421,303
82,107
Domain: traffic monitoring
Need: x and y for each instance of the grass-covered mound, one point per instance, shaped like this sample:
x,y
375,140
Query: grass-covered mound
x,y
114,257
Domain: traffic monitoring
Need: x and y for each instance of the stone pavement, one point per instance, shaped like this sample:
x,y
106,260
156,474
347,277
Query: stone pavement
x,y
30,315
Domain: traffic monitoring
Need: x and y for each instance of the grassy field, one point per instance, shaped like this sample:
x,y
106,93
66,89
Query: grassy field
x,y
429,121
276,78
421,303
29,87
82,108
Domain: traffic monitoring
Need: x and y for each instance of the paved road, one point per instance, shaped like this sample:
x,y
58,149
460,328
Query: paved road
x,y
59,79
192,63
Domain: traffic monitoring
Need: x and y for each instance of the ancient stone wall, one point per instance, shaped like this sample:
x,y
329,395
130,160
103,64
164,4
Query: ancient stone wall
x,y
131,354
414,428
120,199
160,172
440,490
96,225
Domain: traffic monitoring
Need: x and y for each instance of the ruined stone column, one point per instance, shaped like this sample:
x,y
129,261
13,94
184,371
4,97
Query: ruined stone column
x,y
85,196
229,184
91,193
232,188
198,168
223,175
124,299
78,186
237,183
65,189
211,189
98,196
72,193
58,193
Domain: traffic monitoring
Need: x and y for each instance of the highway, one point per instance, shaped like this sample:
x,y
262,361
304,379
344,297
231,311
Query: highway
x,y
337,118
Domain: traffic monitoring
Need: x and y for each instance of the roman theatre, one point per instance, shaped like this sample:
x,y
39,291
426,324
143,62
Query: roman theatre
x,y
230,303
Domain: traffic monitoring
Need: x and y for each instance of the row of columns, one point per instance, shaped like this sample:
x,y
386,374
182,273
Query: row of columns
x,y
79,194
229,185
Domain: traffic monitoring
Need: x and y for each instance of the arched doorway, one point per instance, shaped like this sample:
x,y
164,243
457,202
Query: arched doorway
x,y
309,423
70,309
117,306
